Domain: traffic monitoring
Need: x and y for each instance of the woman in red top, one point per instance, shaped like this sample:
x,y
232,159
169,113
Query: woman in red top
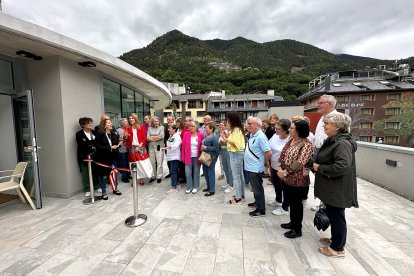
x,y
136,139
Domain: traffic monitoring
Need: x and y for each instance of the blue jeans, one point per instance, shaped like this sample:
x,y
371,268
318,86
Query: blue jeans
x,y
102,181
190,171
225,156
123,163
280,195
174,172
236,164
256,181
210,175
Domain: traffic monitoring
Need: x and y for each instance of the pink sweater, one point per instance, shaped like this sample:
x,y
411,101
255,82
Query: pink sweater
x,y
186,147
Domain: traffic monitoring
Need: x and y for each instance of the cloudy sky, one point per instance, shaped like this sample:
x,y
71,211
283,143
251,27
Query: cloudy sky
x,y
374,28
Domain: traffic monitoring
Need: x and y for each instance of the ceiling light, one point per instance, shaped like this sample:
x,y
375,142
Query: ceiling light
x,y
28,55
87,64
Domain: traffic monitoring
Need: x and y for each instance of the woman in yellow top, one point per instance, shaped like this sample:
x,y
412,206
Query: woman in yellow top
x,y
235,147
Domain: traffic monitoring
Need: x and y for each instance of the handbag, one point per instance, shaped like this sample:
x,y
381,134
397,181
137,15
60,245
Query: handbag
x,y
205,158
144,166
321,220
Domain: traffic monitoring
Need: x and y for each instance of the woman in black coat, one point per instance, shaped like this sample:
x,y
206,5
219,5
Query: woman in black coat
x,y
106,152
335,180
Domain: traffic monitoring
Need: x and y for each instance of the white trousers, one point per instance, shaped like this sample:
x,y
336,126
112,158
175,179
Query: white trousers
x,y
156,157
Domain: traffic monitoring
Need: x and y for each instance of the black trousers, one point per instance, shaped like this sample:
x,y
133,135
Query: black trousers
x,y
295,195
338,227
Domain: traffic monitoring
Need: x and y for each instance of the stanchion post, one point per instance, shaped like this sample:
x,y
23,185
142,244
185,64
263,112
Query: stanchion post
x,y
136,219
92,198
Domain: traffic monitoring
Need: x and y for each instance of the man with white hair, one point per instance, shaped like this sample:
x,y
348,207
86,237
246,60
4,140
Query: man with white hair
x,y
207,119
326,105
256,156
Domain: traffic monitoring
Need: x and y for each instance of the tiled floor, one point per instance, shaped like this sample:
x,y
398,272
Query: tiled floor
x,y
195,235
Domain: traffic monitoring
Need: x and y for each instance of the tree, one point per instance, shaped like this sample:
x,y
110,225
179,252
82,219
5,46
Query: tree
x,y
405,118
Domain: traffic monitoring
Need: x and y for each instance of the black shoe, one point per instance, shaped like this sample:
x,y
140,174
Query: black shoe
x,y
253,204
117,192
286,225
257,213
202,174
209,194
167,176
206,190
152,180
292,234
159,180
104,196
125,180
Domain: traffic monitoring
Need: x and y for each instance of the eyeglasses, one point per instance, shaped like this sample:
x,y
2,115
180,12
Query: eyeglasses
x,y
319,103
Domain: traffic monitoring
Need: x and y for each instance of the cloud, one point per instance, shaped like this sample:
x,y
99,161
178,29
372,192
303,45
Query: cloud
x,y
367,28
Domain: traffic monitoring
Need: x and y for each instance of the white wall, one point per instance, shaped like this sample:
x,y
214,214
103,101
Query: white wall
x,y
44,79
81,97
8,157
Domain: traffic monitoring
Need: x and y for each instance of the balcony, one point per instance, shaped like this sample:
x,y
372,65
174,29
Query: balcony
x,y
193,235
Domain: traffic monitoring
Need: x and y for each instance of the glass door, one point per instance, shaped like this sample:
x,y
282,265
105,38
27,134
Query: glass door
x,y
27,148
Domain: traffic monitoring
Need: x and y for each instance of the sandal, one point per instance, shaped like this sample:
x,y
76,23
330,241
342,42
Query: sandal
x,y
234,201
325,241
329,252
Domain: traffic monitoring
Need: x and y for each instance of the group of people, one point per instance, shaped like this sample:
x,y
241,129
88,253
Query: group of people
x,y
285,148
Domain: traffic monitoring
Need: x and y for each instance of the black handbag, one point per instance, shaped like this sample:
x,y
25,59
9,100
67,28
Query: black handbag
x,y
321,220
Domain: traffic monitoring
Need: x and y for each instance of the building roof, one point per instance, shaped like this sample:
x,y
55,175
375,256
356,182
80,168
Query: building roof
x,y
17,34
245,97
186,97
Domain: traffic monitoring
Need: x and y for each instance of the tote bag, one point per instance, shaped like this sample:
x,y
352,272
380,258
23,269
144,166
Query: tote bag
x,y
144,167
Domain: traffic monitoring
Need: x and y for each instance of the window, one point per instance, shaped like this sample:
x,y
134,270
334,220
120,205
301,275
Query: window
x,y
146,107
191,104
366,125
254,103
267,103
392,125
394,96
368,98
201,113
112,99
365,138
344,98
367,111
393,111
6,75
139,106
216,104
227,105
127,100
240,104
336,84
392,139
222,116
177,105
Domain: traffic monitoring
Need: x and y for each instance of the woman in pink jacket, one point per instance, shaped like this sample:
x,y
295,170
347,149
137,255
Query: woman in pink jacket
x,y
190,152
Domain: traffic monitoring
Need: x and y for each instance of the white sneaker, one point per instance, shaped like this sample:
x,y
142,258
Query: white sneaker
x,y
274,203
224,187
99,190
171,191
87,194
194,191
187,191
229,189
280,212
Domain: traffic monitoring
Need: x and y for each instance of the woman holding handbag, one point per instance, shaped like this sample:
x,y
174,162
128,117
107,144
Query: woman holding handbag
x,y
293,169
190,152
210,146
136,139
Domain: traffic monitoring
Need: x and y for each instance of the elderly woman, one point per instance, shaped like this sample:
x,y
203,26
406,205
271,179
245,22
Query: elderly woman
x,y
173,155
155,138
335,179
211,146
294,171
190,152
123,150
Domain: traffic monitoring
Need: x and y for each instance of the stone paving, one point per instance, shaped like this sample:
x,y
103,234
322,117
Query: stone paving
x,y
195,235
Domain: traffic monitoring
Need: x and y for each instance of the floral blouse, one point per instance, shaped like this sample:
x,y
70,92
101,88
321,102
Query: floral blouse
x,y
294,162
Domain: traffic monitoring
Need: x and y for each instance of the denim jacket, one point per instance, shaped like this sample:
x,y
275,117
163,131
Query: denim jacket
x,y
212,144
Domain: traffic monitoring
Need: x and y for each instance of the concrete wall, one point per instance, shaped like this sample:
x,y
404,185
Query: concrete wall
x,y
44,79
8,157
81,97
371,158
286,112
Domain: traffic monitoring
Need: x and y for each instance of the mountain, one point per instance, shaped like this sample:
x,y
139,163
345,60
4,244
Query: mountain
x,y
284,65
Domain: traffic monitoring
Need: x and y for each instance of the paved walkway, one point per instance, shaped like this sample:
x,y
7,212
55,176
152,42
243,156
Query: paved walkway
x,y
195,235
